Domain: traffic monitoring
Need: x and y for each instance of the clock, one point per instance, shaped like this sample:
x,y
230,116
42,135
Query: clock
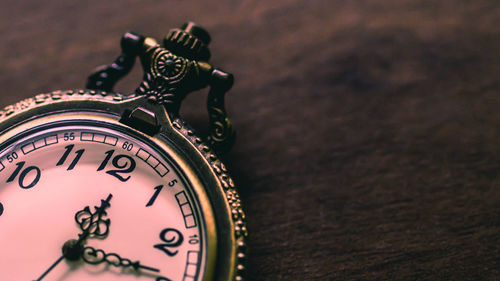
x,y
99,185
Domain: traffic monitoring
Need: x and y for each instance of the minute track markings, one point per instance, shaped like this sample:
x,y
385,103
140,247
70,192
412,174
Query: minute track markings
x,y
99,138
124,163
39,143
186,209
192,261
153,162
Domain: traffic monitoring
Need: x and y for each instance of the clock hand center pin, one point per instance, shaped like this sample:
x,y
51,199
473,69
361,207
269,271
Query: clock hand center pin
x,y
92,225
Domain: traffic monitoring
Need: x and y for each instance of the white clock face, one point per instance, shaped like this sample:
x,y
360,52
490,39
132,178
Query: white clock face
x,y
48,177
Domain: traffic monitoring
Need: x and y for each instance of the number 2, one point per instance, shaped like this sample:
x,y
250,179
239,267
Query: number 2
x,y
173,242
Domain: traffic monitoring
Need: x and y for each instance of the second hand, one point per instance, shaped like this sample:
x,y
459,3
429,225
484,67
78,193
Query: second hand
x,y
50,268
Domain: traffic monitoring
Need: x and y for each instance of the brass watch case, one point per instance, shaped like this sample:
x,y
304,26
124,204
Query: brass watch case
x,y
219,200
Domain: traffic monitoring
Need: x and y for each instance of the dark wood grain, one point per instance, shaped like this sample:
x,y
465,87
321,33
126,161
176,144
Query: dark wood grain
x,y
368,131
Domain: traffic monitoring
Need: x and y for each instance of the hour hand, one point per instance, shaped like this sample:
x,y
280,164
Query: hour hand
x,y
98,256
93,224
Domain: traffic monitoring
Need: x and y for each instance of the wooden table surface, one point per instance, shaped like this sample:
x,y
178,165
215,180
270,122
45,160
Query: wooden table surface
x,y
368,131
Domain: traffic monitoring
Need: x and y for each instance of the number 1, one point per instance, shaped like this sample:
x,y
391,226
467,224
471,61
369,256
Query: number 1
x,y
155,195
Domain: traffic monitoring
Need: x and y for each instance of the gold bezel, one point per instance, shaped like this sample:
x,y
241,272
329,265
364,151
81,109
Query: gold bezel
x,y
224,218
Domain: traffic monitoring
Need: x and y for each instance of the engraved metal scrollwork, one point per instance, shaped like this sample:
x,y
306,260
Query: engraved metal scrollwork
x,y
168,66
238,216
222,133
171,72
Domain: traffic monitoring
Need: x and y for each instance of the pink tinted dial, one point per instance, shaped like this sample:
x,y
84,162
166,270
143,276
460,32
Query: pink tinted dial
x,y
48,177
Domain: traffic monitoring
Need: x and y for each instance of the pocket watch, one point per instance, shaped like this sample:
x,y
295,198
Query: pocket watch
x,y
99,185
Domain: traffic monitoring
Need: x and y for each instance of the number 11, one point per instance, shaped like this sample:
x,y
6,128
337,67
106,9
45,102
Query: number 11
x,y
78,153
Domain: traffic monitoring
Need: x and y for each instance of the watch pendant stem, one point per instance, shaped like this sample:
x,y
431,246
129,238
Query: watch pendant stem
x,y
171,72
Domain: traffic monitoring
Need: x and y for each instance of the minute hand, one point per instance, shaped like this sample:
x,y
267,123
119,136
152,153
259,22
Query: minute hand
x,y
97,256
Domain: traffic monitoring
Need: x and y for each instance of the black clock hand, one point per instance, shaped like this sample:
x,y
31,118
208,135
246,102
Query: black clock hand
x,y
50,268
92,225
98,256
